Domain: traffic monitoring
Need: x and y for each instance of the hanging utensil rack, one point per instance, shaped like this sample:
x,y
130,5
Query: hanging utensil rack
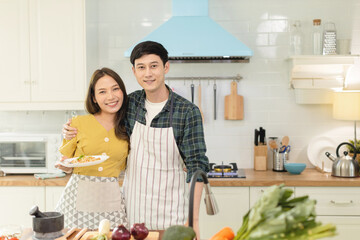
x,y
235,78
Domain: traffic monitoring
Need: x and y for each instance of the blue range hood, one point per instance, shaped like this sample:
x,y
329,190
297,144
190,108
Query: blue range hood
x,y
190,35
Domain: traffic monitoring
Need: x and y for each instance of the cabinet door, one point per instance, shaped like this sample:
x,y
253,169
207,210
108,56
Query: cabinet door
x,y
57,50
233,203
14,49
16,203
52,197
347,227
333,201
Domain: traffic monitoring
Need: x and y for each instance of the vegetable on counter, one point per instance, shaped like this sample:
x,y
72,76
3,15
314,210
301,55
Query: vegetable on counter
x,y
139,231
224,234
275,216
120,233
104,230
179,232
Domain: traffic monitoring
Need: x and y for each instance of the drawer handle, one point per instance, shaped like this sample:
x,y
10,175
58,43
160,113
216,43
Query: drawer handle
x,y
341,202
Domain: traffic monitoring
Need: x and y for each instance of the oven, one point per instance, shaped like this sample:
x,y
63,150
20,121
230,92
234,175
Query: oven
x,y
29,153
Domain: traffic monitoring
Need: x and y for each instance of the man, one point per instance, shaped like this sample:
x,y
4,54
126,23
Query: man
x,y
166,138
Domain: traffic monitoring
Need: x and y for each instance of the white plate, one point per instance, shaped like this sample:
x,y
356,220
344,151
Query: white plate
x,y
66,162
316,151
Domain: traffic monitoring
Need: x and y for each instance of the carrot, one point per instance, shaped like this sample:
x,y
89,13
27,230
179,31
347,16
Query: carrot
x,y
224,234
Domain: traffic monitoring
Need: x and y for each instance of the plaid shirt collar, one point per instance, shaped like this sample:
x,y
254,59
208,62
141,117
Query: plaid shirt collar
x,y
167,106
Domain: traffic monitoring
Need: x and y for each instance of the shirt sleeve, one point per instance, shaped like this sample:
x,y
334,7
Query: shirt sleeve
x,y
68,147
193,146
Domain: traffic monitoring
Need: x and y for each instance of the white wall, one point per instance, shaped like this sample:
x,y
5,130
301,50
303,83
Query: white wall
x,y
263,25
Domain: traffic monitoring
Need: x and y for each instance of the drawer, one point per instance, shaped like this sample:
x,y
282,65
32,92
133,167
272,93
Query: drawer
x,y
333,201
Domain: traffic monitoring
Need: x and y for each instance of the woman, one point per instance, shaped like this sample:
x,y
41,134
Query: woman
x,y
93,192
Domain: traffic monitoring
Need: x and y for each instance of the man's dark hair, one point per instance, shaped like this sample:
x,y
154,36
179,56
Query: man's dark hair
x,y
149,47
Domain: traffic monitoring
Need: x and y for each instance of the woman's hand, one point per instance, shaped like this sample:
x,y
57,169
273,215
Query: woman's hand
x,y
68,132
61,167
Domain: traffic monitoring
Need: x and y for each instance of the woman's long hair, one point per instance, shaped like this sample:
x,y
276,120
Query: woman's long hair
x,y
93,108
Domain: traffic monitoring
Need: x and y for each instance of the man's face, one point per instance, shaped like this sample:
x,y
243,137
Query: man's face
x,y
150,71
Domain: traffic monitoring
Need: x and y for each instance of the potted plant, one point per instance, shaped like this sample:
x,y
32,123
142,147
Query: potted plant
x,y
351,150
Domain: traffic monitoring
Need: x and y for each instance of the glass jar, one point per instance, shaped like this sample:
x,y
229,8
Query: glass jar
x,y
296,39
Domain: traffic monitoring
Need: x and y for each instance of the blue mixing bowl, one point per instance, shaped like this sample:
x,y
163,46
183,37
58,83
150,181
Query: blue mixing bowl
x,y
295,168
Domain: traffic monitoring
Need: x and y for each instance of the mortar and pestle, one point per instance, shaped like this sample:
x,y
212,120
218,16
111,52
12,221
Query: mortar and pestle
x,y
46,225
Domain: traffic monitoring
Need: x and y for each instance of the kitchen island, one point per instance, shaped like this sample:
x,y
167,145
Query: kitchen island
x,y
338,199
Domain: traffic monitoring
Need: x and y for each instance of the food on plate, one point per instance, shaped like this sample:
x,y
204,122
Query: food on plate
x,y
179,232
276,216
120,233
225,233
139,231
85,159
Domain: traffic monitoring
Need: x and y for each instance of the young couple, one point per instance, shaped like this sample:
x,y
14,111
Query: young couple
x,y
166,141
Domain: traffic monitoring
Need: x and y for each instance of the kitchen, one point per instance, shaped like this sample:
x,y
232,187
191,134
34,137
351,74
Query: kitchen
x,y
264,26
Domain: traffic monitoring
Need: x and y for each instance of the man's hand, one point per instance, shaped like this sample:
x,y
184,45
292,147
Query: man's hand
x,y
68,132
61,167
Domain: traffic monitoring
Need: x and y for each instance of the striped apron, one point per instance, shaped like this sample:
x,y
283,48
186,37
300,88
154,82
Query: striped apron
x,y
155,188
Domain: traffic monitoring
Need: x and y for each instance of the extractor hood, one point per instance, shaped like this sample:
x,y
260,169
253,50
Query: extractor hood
x,y
190,35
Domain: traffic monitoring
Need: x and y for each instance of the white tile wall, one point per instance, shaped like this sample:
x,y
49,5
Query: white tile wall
x,y
113,26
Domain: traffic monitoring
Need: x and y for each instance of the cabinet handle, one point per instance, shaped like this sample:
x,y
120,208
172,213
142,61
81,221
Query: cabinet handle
x,y
341,202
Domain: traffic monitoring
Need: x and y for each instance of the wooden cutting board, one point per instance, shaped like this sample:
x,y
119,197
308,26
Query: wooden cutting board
x,y
234,104
89,235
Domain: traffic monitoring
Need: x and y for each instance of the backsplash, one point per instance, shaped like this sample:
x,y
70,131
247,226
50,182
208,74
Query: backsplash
x,y
265,26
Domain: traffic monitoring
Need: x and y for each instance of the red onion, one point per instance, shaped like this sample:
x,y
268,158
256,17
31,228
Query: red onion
x,y
120,233
139,231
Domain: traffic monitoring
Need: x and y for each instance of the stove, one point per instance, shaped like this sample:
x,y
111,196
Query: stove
x,y
225,171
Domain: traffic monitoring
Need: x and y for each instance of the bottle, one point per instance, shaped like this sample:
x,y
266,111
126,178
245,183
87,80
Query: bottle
x,y
317,37
296,39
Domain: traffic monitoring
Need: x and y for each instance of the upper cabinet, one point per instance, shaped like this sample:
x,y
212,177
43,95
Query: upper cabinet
x,y
43,63
315,77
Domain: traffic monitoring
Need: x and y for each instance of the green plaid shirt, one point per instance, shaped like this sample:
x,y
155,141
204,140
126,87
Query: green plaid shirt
x,y
186,123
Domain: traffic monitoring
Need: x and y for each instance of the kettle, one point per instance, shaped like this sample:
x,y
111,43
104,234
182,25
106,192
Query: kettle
x,y
344,166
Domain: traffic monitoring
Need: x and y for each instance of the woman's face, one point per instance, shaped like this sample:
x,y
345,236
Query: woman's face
x,y
108,95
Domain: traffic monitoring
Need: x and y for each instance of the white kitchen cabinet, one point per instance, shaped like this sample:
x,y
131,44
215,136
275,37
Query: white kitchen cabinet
x,y
233,203
52,196
346,227
337,205
16,203
43,64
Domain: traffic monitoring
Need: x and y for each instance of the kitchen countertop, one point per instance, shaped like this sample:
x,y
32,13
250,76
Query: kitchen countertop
x,y
310,177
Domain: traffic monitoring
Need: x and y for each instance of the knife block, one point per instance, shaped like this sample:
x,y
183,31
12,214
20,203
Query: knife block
x,y
260,157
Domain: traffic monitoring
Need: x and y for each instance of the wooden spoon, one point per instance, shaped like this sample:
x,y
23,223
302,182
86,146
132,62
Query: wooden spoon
x,y
285,141
273,144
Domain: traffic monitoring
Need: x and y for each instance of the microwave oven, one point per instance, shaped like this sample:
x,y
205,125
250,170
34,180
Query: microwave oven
x,y
29,153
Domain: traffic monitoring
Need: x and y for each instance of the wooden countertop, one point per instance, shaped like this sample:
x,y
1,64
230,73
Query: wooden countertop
x,y
310,177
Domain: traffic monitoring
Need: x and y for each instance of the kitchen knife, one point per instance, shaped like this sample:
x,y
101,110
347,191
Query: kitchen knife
x,y
262,135
192,92
214,101
256,142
